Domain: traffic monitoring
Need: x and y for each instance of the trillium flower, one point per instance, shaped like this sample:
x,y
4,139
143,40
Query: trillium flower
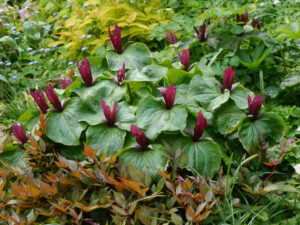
x,y
169,95
201,124
256,24
201,33
116,39
85,72
54,100
65,82
172,37
185,58
139,137
40,100
228,78
121,76
109,115
19,133
255,105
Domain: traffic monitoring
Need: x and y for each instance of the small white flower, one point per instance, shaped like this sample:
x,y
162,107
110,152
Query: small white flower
x,y
88,36
276,2
16,38
297,168
13,28
83,36
70,63
18,33
262,4
37,11
65,16
47,28
21,50
54,46
42,49
1,63
47,49
83,49
30,63
85,5
40,67
68,6
28,49
7,24
36,62
8,64
14,77
55,13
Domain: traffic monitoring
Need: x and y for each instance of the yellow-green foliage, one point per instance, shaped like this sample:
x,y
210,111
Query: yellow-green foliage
x,y
95,18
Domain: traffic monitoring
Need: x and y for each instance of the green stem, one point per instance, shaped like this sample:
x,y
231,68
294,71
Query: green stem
x,y
261,82
129,92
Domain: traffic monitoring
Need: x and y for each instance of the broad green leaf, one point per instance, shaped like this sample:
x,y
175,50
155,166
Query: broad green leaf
x,y
3,78
64,127
204,157
103,89
152,73
135,56
109,140
270,126
9,41
240,97
13,155
178,76
206,91
290,81
227,118
153,116
150,160
30,118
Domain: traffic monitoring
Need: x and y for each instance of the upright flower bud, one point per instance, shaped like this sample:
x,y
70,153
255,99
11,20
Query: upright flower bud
x,y
172,37
228,78
201,124
256,24
40,100
116,39
19,133
255,104
65,82
201,33
185,58
139,137
54,100
85,72
243,18
169,95
121,76
109,115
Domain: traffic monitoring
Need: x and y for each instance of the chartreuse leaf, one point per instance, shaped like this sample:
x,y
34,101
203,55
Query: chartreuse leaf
x,y
135,56
109,140
227,118
151,73
270,126
103,89
150,160
124,117
240,96
153,116
64,127
204,157
206,91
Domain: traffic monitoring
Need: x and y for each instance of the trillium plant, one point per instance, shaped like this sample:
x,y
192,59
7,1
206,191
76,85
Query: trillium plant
x,y
159,105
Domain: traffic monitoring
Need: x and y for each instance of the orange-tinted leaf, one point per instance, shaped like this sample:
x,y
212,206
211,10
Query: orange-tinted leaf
x,y
61,164
10,168
89,152
87,208
165,175
87,173
33,142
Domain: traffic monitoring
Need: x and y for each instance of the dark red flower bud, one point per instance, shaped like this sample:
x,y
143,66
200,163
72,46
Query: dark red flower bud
x,y
54,100
172,37
40,100
116,39
85,72
19,133
109,115
228,78
169,95
243,18
121,75
185,58
255,104
66,82
256,24
201,124
201,33
139,136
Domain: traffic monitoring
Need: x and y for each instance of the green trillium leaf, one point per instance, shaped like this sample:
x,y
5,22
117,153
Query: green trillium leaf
x,y
64,127
150,160
270,126
206,91
240,97
153,116
152,73
109,140
136,55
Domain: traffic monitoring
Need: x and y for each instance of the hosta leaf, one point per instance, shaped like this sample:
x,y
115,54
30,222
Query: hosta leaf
x,y
103,89
148,161
109,140
64,127
206,91
153,116
135,56
270,126
151,73
203,157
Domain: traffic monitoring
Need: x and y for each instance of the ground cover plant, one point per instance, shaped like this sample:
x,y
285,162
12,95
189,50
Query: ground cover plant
x,y
185,129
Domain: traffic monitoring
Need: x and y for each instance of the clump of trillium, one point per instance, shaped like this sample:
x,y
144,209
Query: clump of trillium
x,y
201,124
115,39
109,114
201,33
172,37
85,72
254,106
140,137
40,100
121,76
169,95
19,132
257,24
185,58
54,100
228,78
243,18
